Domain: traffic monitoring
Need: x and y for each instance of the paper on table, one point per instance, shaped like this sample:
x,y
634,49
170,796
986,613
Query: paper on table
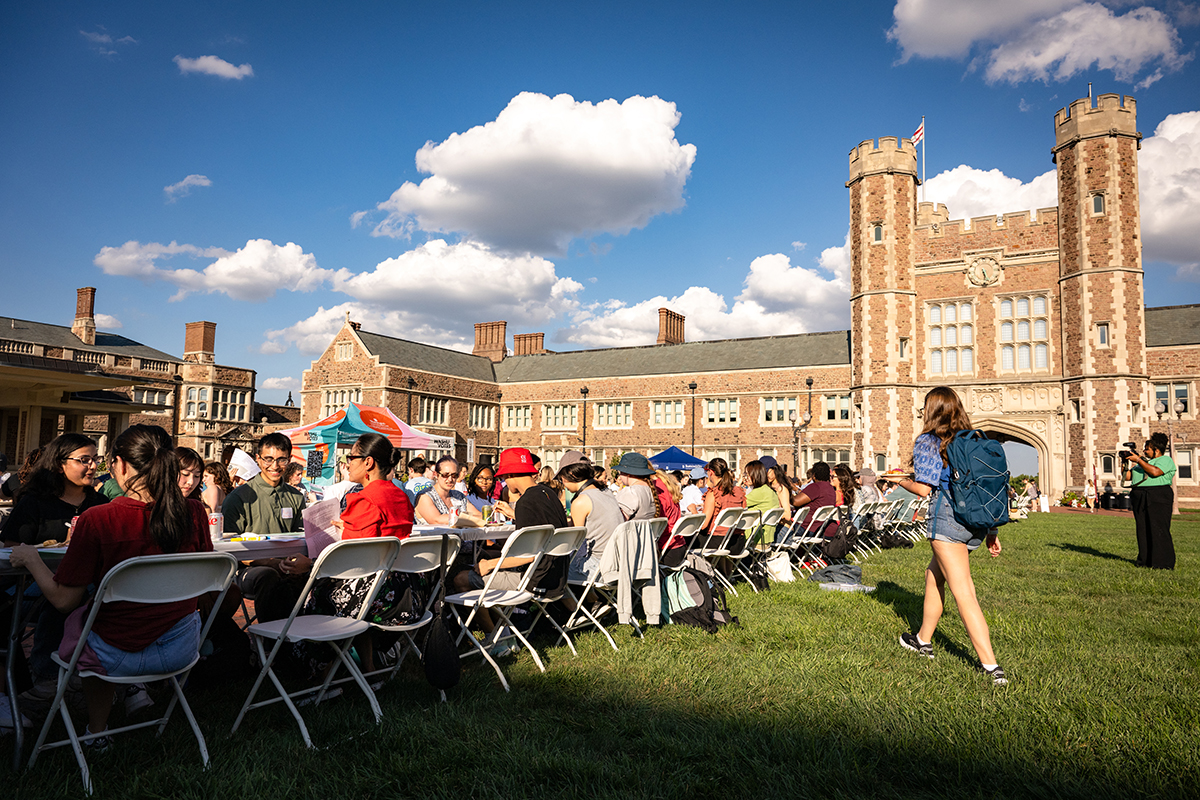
x,y
319,531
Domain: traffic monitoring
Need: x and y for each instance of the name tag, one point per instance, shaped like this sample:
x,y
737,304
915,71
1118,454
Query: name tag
x,y
286,512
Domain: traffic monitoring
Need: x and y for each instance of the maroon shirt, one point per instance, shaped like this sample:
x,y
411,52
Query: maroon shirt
x,y
109,534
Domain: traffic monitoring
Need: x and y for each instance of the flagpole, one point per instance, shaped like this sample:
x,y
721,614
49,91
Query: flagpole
x,y
922,158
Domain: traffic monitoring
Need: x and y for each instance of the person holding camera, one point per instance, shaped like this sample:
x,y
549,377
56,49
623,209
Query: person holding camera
x,y
1151,498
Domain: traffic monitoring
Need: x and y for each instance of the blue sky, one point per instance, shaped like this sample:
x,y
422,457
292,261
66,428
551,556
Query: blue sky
x,y
256,164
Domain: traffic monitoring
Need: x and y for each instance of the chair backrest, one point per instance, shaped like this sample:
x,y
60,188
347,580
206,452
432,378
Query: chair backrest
x,y
422,553
817,519
686,526
164,578
728,518
524,543
356,558
167,578
750,519
563,542
772,516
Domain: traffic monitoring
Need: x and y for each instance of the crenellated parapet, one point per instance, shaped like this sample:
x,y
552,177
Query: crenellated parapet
x,y
932,223
1083,120
890,156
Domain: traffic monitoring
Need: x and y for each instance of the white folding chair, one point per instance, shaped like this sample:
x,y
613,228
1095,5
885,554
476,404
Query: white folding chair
x,y
686,527
418,555
752,553
150,580
348,559
607,592
562,544
727,518
525,543
810,539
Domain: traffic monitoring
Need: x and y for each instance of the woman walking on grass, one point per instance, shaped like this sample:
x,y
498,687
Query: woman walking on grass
x,y
951,542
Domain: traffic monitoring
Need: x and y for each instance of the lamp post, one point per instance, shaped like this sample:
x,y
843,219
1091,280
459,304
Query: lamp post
x,y
692,386
411,385
804,420
584,392
1160,408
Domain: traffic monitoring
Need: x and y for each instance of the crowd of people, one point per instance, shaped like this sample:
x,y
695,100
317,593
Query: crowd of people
x,y
157,498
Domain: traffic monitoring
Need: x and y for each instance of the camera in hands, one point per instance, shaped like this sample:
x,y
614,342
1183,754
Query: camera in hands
x,y
1131,449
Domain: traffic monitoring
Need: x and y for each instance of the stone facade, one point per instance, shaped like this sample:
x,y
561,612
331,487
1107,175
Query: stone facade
x,y
1037,321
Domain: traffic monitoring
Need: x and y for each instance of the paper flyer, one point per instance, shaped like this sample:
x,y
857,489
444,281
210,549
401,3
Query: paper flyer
x,y
319,531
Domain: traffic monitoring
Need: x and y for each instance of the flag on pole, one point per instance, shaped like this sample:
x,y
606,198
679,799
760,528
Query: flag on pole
x,y
919,134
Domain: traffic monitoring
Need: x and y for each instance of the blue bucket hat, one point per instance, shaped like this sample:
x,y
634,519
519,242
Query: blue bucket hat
x,y
635,464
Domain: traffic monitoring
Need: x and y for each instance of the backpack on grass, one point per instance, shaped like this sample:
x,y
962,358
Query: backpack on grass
x,y
708,611
978,480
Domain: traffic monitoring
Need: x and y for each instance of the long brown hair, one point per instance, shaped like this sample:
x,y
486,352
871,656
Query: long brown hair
x,y
944,416
720,468
845,483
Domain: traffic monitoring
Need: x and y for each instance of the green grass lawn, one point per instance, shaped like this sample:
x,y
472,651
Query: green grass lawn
x,y
810,697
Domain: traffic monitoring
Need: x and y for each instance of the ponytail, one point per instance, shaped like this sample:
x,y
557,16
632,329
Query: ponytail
x,y
147,449
720,468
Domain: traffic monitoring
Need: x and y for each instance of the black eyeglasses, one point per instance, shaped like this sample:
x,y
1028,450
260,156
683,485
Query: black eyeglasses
x,y
279,462
447,474
353,457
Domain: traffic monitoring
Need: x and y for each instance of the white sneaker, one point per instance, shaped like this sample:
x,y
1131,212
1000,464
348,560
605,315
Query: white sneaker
x,y
137,698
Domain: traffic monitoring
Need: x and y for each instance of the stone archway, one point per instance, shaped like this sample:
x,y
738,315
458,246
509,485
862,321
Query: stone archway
x,y
1004,431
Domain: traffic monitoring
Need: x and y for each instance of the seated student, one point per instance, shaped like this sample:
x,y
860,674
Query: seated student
x,y
819,493
722,493
419,479
480,486
440,504
761,496
530,503
592,508
152,517
264,505
380,509
692,501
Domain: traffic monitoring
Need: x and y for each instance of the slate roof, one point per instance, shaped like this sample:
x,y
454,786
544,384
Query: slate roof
x,y
766,352
1170,326
20,330
427,357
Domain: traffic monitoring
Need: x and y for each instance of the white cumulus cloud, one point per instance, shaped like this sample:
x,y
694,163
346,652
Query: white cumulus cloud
x,y
969,192
255,272
108,322
1046,40
104,43
435,293
1169,173
287,384
212,65
184,187
546,171
777,298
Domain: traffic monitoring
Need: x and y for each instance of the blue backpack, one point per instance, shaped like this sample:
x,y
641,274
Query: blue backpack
x,y
978,480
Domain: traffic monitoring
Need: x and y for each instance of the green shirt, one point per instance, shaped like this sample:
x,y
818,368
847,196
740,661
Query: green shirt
x,y
763,498
1138,476
258,507
111,489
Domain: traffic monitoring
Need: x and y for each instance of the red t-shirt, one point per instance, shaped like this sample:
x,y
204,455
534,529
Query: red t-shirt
x,y
670,510
109,534
380,509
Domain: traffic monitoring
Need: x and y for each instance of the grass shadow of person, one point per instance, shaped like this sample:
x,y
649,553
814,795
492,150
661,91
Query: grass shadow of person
x,y
1090,551
910,607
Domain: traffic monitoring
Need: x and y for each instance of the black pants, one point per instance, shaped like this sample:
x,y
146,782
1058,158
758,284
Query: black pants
x,y
1152,516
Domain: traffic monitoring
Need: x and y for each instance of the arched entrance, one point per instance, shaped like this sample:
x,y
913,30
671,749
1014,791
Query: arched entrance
x,y
1003,431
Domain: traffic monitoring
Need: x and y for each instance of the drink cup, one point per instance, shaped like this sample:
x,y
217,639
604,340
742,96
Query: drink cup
x,y
487,514
216,527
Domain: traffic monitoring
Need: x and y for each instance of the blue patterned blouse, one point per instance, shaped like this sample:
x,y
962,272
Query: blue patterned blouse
x,y
927,463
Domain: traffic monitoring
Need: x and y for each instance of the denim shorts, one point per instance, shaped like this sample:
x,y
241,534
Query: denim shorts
x,y
173,651
945,528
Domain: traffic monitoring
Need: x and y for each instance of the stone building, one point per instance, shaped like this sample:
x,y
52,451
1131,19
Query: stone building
x,y
1037,321
55,379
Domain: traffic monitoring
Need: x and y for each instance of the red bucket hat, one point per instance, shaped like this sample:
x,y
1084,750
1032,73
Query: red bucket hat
x,y
515,461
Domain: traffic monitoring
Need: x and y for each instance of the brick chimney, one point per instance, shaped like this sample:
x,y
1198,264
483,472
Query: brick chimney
x,y
85,316
490,340
199,342
528,344
670,327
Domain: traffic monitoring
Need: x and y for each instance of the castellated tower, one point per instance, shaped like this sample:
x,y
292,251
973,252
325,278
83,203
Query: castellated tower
x,y
1100,286
883,185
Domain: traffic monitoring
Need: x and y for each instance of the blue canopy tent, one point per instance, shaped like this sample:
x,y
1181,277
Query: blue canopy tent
x,y
674,458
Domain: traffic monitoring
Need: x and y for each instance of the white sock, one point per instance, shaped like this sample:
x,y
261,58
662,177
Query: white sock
x,y
990,667
920,640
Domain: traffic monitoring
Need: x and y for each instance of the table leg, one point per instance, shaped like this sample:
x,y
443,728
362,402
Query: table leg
x,y
10,679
